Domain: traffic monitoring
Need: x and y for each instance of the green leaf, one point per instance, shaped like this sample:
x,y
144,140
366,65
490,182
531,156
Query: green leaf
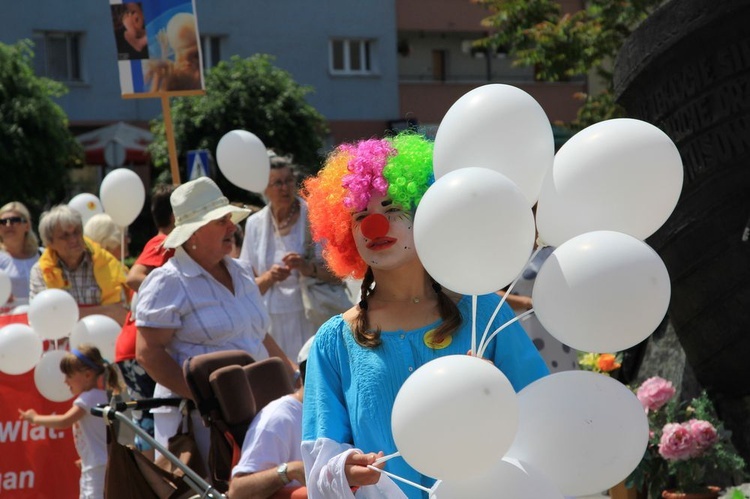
x,y
250,94
36,144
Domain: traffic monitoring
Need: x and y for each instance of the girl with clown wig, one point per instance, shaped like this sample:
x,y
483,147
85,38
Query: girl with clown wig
x,y
361,207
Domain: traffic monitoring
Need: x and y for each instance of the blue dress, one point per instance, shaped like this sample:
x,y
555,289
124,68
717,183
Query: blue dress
x,y
350,390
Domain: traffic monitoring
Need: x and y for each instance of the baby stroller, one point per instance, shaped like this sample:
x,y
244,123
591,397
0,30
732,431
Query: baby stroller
x,y
131,475
229,388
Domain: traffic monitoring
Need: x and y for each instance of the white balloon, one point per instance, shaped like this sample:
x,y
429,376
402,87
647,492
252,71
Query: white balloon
x,y
98,330
474,231
243,160
454,417
53,313
5,287
87,205
602,291
20,309
122,195
49,379
585,431
20,349
622,174
500,127
507,478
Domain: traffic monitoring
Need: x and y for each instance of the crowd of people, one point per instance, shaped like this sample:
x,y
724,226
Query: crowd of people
x,y
196,292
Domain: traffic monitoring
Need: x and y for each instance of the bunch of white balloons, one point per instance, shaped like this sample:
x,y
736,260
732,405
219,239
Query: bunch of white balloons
x,y
602,290
53,316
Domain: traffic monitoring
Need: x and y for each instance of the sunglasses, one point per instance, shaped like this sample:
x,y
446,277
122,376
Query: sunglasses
x,y
12,220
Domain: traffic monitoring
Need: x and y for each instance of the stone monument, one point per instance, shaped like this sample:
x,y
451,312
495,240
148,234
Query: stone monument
x,y
686,69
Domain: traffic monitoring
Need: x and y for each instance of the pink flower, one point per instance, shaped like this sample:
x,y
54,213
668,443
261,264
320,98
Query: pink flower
x,y
677,442
654,393
704,434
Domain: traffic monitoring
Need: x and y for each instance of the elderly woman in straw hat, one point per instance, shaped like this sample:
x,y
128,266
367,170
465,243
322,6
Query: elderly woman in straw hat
x,y
200,301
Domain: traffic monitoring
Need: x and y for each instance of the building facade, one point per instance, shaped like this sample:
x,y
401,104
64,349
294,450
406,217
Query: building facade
x,y
373,65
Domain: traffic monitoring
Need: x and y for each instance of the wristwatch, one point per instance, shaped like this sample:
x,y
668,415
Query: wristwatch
x,y
281,471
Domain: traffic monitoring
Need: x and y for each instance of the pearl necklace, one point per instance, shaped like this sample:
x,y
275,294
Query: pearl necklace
x,y
288,220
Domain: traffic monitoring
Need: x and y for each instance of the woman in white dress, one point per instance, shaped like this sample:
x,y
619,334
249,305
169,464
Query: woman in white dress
x,y
275,245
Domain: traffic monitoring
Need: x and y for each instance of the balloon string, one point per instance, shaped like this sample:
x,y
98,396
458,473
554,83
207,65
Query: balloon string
x,y
435,487
514,319
474,325
122,246
483,343
396,477
386,458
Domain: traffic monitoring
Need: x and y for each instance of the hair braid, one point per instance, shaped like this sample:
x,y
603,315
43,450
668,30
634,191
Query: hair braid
x,y
362,333
449,312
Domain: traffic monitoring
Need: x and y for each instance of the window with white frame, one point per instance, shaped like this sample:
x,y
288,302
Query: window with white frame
x,y
211,50
352,56
58,55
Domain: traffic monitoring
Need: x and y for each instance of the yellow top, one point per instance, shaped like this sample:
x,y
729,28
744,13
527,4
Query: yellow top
x,y
108,272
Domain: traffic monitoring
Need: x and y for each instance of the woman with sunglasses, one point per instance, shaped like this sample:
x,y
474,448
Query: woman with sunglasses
x,y
19,250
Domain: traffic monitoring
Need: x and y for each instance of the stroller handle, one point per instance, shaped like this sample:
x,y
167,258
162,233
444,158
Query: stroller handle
x,y
116,412
122,406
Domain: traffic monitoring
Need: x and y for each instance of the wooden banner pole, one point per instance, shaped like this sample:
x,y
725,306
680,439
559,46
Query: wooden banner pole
x,y
173,164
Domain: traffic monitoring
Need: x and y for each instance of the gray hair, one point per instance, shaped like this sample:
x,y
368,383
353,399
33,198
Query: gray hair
x,y
61,215
278,162
102,229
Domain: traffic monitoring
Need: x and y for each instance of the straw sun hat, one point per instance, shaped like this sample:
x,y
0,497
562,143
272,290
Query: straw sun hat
x,y
195,204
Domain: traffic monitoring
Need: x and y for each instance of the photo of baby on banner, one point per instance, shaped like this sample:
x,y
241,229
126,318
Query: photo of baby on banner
x,y
130,31
169,59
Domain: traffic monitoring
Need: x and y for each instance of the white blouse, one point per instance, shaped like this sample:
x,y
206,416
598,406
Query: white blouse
x,y
264,246
18,269
182,295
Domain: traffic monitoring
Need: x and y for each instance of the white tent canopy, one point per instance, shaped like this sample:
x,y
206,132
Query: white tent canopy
x,y
118,143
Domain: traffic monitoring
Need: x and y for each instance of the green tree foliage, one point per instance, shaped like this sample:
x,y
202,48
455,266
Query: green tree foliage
x,y
562,46
250,94
36,146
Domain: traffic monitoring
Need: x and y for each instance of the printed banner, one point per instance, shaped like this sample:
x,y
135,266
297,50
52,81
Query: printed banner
x,y
158,46
35,462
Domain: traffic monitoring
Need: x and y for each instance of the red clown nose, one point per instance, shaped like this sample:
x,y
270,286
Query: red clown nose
x,y
375,226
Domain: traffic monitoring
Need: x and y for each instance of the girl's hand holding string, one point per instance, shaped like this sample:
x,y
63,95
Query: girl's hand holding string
x,y
357,472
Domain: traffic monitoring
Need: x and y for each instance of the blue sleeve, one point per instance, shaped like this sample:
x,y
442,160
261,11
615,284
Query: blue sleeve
x,y
325,413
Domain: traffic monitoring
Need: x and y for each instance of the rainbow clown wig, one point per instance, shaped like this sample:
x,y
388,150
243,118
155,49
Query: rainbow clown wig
x,y
398,167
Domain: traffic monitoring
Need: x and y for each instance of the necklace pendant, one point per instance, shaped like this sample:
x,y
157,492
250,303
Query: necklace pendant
x,y
415,299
